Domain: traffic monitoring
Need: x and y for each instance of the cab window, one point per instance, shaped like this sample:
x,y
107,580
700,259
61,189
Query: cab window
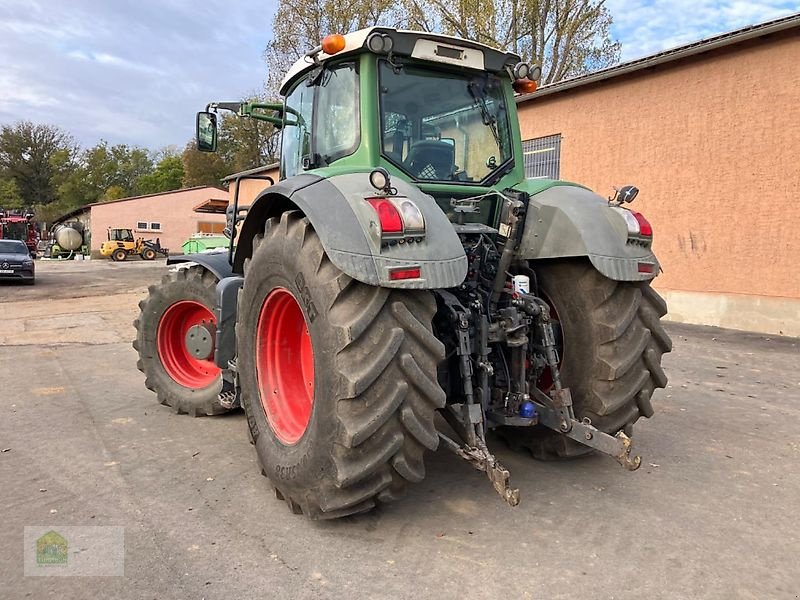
x,y
296,132
336,131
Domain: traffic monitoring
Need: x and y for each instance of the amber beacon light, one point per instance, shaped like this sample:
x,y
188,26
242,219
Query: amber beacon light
x,y
331,44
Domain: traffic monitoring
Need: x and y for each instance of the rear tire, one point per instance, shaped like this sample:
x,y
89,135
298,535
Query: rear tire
x,y
119,255
192,387
613,342
375,390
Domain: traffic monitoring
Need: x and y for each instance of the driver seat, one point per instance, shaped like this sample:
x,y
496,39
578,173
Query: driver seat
x,y
432,159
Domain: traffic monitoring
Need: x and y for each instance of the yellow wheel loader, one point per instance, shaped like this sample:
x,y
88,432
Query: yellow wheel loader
x,y
121,244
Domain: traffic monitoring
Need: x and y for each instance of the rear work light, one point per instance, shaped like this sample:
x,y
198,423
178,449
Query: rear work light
x,y
398,217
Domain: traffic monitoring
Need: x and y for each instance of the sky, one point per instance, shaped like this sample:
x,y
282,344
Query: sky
x,y
136,72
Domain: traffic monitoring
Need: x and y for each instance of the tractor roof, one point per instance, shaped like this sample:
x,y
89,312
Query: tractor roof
x,y
433,47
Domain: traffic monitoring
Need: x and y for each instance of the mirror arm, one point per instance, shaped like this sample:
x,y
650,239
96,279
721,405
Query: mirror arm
x,y
249,109
232,106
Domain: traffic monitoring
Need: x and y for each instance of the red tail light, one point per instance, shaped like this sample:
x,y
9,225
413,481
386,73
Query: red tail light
x,y
412,273
388,215
645,229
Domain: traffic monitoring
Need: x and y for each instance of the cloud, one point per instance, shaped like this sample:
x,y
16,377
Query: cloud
x,y
137,72
647,27
125,72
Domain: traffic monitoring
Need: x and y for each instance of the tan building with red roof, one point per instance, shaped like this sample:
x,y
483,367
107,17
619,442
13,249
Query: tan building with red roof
x,y
172,217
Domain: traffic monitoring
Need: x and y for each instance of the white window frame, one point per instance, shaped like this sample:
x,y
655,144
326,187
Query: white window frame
x,y
154,226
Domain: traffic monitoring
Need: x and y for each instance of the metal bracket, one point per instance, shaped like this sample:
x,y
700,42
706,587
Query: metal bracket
x,y
618,447
483,460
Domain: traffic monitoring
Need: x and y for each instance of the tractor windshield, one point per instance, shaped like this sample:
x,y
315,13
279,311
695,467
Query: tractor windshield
x,y
441,126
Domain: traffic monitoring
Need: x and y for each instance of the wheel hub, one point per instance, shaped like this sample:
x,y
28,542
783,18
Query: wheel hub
x,y
200,341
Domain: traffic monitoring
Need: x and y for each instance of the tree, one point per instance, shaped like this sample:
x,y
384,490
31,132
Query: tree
x,y
9,194
566,37
247,143
168,175
37,158
105,171
202,168
244,144
299,25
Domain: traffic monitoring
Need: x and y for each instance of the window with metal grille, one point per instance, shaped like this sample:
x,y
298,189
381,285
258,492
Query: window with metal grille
x,y
542,157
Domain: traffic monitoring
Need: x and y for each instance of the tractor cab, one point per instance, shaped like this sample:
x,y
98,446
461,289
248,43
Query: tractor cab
x,y
434,110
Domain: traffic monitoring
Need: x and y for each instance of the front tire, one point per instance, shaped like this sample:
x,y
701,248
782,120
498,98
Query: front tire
x,y
359,437
613,341
184,299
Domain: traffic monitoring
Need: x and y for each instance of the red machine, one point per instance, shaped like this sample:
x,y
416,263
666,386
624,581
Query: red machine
x,y
19,227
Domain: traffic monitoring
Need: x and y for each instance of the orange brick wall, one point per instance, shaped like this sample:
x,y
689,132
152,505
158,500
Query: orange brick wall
x,y
173,210
713,143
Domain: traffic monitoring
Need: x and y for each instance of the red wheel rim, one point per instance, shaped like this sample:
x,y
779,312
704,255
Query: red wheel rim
x,y
187,370
285,366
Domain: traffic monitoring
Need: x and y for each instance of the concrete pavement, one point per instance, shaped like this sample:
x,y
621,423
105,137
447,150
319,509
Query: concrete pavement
x,y
712,513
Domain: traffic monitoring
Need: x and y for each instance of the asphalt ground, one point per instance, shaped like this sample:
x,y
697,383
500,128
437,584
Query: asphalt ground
x,y
712,513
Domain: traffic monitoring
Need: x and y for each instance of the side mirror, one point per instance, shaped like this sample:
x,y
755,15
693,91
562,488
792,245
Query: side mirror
x,y
206,132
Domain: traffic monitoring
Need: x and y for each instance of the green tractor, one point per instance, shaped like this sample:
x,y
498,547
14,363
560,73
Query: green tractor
x,y
402,268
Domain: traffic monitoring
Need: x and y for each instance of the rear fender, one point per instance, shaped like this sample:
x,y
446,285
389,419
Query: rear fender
x,y
347,227
216,262
571,221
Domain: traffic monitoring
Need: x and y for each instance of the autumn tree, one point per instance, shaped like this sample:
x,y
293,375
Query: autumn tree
x,y
299,25
565,37
202,168
243,143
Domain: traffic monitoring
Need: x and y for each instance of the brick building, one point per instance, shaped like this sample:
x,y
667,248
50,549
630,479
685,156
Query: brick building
x,y
710,133
172,217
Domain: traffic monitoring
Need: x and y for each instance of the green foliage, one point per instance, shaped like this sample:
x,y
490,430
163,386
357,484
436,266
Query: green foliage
x,y
202,168
104,173
9,194
36,158
168,175
243,144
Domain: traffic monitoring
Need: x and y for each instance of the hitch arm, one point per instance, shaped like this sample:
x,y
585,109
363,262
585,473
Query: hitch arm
x,y
483,460
617,447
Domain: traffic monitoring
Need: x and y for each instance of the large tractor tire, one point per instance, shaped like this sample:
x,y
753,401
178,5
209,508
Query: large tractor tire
x,y
148,254
612,341
175,342
119,255
338,378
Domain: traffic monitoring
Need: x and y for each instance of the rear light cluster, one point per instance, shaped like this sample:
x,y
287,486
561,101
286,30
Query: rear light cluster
x,y
638,226
399,218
